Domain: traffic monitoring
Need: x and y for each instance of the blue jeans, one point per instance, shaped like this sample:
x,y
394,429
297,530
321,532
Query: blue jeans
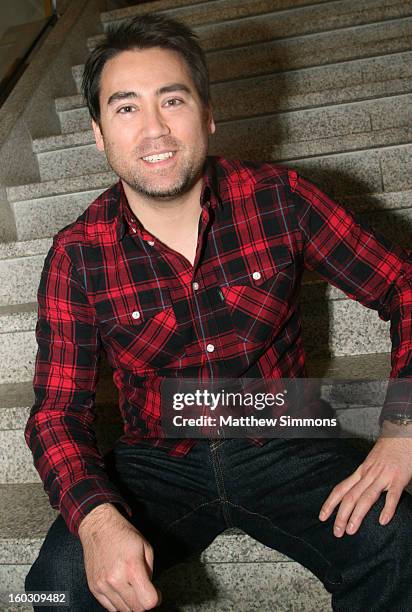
x,y
273,493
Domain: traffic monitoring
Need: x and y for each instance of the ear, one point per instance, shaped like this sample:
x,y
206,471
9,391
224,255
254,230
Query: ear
x,y
98,136
210,121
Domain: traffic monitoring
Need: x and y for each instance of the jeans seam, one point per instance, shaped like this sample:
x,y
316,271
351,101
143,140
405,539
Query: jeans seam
x,y
283,531
215,459
192,511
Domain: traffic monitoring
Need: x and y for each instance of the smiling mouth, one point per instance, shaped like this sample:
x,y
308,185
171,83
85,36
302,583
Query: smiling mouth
x,y
159,157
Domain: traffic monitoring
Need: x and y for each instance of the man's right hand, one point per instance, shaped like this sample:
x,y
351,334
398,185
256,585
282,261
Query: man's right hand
x,y
118,562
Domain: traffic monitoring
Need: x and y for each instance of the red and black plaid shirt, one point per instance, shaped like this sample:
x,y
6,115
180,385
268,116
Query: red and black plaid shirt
x,y
107,281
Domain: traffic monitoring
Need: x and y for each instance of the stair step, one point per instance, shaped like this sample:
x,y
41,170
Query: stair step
x,y
143,8
48,214
360,116
16,400
233,564
304,51
291,90
234,140
327,316
381,169
205,12
281,136
278,24
28,248
86,182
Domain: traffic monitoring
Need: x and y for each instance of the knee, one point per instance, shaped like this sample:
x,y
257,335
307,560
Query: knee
x,y
59,561
399,532
390,541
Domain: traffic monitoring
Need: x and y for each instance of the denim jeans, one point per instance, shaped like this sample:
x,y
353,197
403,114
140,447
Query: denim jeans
x,y
273,493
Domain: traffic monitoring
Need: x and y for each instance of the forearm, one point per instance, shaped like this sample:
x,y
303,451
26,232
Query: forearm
x,y
68,461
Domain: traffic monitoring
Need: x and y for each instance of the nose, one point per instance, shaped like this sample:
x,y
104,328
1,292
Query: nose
x,y
154,124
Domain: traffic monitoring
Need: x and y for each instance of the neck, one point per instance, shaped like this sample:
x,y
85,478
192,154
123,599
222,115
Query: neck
x,y
154,214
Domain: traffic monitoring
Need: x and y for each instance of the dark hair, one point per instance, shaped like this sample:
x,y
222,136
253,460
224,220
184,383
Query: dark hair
x,y
152,30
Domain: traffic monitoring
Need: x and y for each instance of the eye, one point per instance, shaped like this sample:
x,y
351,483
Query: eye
x,y
126,109
174,102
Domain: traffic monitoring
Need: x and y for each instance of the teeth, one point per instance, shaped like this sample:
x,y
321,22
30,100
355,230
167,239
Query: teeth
x,y
156,158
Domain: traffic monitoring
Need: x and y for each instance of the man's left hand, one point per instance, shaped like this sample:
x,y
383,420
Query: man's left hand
x,y
388,467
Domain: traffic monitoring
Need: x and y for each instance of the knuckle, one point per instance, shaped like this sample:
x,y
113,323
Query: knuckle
x,y
350,497
98,586
151,602
371,496
149,549
113,580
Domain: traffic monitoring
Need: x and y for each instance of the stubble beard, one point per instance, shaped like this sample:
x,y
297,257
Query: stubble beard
x,y
188,174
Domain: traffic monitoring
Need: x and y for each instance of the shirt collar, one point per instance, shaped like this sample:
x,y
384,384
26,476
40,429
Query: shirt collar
x,y
209,198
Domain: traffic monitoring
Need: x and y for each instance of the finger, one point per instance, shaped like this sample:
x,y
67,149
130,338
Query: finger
x,y
350,502
336,495
149,598
134,598
160,596
119,599
105,602
392,500
144,591
149,559
362,507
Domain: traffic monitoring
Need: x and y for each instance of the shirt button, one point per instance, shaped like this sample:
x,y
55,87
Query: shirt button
x,y
210,348
150,242
195,286
134,230
136,314
256,275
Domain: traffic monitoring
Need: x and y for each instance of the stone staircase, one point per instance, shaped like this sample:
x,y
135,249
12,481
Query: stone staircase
x,y
325,87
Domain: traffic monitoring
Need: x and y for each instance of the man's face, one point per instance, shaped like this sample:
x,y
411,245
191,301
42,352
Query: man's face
x,y
153,126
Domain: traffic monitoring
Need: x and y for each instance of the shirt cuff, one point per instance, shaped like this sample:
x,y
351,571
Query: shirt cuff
x,y
398,400
86,494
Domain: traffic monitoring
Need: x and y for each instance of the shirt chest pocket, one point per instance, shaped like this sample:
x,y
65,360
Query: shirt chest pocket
x,y
257,293
140,329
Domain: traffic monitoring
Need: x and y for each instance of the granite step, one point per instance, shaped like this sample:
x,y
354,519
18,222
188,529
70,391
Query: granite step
x,y
46,216
217,33
291,90
372,40
44,208
205,12
256,139
332,323
86,182
280,136
234,573
381,169
357,407
374,176
25,260
16,401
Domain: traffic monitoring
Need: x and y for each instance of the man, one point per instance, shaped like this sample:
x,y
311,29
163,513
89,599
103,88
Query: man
x,y
189,266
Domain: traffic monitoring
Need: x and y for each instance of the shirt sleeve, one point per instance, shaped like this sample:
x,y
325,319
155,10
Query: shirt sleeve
x,y
59,430
345,251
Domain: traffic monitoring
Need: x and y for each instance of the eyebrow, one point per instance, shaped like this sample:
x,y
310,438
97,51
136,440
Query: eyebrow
x,y
122,95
